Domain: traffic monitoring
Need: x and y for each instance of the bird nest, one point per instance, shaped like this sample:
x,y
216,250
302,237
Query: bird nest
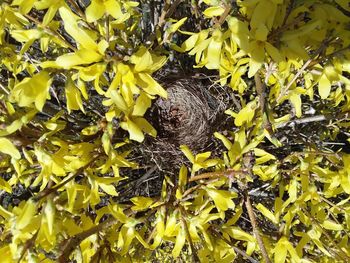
x,y
193,110
187,117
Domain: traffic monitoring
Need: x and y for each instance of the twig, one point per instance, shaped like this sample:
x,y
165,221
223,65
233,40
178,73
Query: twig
x,y
77,8
69,245
4,89
343,257
227,173
261,90
216,233
53,189
284,91
50,31
252,218
140,180
107,28
194,250
303,121
168,10
329,56
224,16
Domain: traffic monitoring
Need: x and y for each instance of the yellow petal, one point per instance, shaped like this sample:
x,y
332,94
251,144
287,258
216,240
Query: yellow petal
x,y
7,147
95,11
324,87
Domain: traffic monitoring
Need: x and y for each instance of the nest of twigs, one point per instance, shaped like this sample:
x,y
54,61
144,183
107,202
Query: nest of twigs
x,y
188,116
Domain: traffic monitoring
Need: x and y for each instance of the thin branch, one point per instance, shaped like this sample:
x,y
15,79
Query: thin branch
x,y
168,10
285,90
107,28
261,90
53,189
4,89
194,250
315,118
228,173
68,245
50,31
223,16
252,218
216,233
77,8
343,257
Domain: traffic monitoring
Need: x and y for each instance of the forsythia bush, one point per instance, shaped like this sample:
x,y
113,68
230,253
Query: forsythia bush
x,y
276,56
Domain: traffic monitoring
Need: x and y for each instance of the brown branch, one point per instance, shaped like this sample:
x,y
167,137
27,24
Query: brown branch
x,y
68,245
53,189
50,31
344,256
168,10
216,233
227,173
107,28
275,34
261,91
77,8
285,90
194,250
252,218
223,16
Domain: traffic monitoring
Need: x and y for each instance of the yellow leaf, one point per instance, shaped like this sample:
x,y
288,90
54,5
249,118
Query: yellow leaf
x,y
201,157
190,42
135,132
257,56
224,140
24,5
74,101
26,215
145,126
246,114
109,189
214,11
324,87
7,147
331,73
141,203
72,28
280,251
80,57
91,130
5,214
142,59
179,242
331,225
50,214
267,213
187,152
94,11
261,33
222,198
173,28
4,185
113,8
143,102
273,52
148,84
296,101
106,142
214,50
119,101
262,13
34,90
